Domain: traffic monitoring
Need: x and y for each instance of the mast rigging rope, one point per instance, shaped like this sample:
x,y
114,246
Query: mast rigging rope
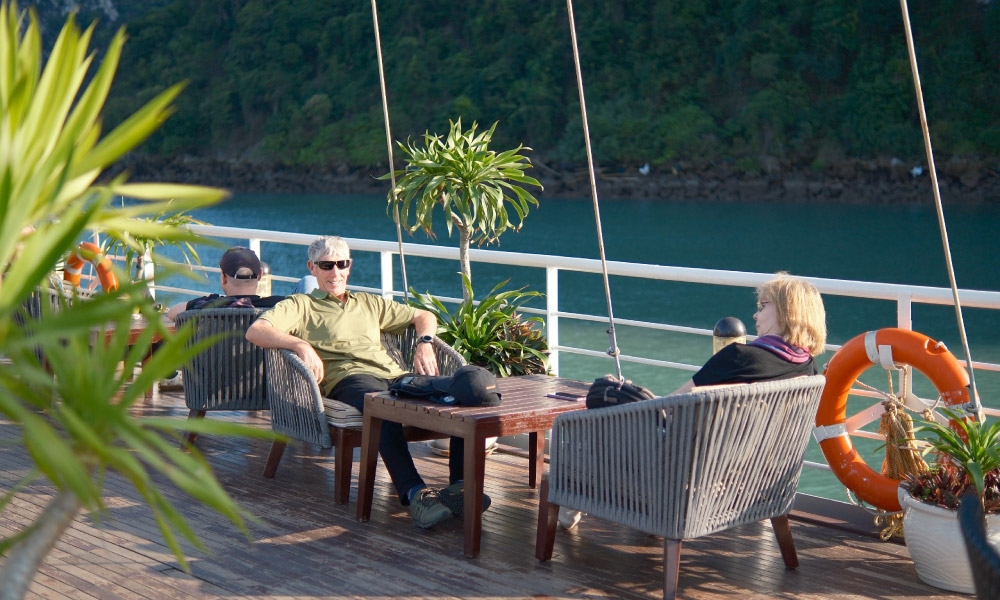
x,y
975,405
388,143
613,351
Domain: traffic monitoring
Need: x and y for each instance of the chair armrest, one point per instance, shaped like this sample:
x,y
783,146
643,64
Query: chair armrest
x,y
401,347
295,398
448,359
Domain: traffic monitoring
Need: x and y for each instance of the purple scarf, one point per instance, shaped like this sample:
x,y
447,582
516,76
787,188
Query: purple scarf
x,y
775,344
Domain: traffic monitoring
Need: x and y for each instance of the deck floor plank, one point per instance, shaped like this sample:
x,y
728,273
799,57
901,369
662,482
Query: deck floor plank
x,y
306,546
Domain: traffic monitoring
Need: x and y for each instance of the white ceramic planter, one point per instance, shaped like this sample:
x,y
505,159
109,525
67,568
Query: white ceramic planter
x,y
934,540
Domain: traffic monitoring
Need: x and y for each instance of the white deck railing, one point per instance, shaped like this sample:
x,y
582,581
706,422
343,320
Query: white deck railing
x,y
904,296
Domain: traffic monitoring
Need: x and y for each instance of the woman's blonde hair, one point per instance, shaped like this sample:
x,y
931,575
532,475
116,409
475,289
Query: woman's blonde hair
x,y
800,311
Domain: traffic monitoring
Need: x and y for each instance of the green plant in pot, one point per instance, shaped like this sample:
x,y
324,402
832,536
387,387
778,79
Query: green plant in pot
x,y
968,458
474,187
491,333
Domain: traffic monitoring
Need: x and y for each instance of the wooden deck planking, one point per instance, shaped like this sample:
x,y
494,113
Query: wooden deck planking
x,y
307,546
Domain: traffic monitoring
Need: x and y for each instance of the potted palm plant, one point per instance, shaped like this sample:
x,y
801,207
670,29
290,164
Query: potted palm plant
x,y
968,458
474,187
478,190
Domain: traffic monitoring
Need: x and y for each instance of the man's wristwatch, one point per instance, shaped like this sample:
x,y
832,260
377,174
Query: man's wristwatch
x,y
425,339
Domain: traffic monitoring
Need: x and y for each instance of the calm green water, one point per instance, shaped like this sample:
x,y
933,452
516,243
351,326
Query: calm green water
x,y
883,243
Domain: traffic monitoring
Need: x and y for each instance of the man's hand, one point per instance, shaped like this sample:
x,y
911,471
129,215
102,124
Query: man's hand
x,y
265,335
308,355
424,360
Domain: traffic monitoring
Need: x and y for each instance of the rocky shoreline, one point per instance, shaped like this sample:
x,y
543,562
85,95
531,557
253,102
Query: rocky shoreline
x,y
859,182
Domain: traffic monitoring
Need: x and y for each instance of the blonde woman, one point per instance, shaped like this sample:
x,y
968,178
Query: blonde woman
x,y
791,330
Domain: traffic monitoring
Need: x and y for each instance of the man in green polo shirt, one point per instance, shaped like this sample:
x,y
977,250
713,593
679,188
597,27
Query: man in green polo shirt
x,y
338,335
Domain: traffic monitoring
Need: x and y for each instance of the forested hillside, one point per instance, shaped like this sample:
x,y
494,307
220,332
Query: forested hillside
x,y
757,85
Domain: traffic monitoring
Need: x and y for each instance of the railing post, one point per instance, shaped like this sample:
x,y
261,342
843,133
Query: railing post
x,y
254,244
149,273
552,316
904,320
385,262
904,311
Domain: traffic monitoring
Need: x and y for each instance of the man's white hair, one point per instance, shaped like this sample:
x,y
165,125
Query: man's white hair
x,y
328,245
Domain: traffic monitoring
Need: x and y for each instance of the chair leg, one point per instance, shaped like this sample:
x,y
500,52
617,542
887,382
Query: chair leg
x,y
344,442
671,567
274,457
548,517
783,531
193,414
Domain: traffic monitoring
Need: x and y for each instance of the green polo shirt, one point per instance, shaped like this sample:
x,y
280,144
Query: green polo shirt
x,y
347,336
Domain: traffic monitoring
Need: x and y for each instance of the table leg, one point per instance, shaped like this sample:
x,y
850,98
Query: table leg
x,y
148,393
474,472
370,438
536,457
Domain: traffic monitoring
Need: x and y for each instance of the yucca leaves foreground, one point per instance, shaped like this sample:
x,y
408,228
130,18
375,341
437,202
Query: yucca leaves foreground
x,y
73,407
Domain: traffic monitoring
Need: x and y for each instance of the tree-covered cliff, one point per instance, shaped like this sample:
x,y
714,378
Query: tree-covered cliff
x,y
752,83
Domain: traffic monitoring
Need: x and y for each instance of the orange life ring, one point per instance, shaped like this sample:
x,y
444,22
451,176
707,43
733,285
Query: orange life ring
x,y
887,347
74,266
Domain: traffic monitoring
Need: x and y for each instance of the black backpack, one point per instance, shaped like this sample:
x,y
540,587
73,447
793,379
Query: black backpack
x,y
611,391
423,386
470,386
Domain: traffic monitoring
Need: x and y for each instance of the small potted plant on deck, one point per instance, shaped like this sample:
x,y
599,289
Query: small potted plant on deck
x,y
968,454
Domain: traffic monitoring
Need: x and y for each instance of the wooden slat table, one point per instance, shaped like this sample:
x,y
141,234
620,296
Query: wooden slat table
x,y
527,408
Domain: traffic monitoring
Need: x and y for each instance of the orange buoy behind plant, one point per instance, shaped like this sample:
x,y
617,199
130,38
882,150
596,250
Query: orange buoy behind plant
x,y
889,347
74,266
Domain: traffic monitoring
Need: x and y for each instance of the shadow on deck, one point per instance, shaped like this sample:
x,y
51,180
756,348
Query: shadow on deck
x,y
308,547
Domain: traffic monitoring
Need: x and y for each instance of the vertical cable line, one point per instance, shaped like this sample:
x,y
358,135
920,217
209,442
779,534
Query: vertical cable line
x,y
613,350
388,144
974,404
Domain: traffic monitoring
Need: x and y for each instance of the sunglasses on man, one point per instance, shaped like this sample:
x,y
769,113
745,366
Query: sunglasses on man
x,y
326,265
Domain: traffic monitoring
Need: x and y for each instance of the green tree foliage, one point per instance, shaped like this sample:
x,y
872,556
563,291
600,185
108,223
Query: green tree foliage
x,y
295,81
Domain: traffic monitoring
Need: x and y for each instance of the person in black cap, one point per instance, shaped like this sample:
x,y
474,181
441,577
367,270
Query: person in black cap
x,y
240,274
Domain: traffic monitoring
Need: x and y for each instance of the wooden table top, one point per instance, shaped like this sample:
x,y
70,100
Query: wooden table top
x,y
523,396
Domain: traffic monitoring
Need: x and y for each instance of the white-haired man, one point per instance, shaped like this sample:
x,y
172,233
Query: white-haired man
x,y
338,335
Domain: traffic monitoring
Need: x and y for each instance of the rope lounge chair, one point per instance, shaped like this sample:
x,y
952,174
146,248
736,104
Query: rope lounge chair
x,y
229,375
983,557
299,410
48,299
684,466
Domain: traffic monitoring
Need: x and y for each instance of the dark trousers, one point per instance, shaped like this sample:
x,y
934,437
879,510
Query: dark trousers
x,y
392,447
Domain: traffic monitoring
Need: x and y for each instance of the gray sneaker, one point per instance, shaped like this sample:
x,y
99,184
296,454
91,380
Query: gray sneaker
x,y
453,497
427,510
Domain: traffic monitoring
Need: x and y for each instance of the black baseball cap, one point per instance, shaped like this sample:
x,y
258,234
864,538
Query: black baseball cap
x,y
474,386
237,258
